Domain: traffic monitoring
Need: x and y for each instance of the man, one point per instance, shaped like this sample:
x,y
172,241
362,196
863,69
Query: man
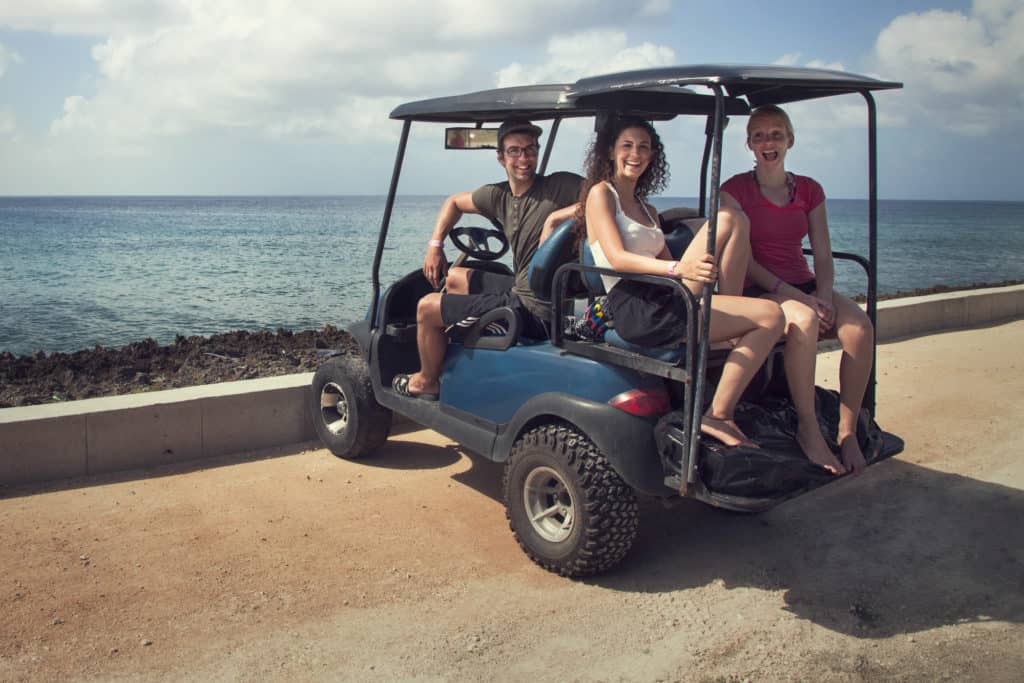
x,y
526,205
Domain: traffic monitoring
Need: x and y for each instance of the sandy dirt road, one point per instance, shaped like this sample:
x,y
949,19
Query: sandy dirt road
x,y
300,566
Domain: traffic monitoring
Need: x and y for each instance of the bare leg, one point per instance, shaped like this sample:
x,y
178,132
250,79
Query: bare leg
x,y
800,357
732,248
457,281
432,344
758,324
856,334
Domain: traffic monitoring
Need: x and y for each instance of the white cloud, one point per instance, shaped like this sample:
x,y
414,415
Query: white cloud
x,y
831,66
653,8
793,59
7,57
587,53
355,119
96,17
175,74
276,69
8,122
961,71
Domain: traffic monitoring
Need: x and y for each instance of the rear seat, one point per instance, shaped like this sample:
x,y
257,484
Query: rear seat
x,y
677,238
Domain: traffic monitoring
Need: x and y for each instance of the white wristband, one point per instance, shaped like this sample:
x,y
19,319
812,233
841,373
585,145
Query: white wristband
x,y
672,268
436,243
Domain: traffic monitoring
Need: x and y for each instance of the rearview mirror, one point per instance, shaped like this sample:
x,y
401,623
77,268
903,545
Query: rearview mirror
x,y
471,138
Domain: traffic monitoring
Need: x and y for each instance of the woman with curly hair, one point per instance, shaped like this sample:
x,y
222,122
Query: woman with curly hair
x,y
625,165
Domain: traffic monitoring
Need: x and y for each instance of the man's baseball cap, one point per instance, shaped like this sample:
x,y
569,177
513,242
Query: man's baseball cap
x,y
517,126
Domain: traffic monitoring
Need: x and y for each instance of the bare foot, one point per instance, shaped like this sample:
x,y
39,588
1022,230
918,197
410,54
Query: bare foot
x,y
814,447
725,430
851,454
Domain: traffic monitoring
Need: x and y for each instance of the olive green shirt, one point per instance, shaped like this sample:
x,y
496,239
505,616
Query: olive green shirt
x,y
522,218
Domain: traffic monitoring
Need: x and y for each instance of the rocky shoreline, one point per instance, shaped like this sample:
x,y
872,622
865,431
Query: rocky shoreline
x,y
148,366
189,361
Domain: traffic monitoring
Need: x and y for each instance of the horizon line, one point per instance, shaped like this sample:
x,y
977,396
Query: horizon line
x,y
417,194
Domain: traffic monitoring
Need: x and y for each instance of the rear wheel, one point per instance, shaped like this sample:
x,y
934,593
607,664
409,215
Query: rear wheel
x,y
569,510
346,415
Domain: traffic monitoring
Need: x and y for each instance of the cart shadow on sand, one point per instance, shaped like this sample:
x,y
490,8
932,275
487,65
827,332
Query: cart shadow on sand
x,y
901,549
397,455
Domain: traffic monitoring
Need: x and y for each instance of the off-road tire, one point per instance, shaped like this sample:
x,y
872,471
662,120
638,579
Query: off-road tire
x,y
597,522
346,415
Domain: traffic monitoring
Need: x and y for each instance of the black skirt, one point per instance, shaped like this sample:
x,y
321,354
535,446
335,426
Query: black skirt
x,y
648,315
808,287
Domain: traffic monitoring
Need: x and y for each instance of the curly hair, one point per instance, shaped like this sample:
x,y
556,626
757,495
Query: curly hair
x,y
599,165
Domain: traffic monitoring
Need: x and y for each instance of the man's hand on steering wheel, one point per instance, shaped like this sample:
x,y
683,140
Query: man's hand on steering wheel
x,y
435,266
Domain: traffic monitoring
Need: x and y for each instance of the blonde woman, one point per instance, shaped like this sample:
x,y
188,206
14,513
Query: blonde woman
x,y
783,208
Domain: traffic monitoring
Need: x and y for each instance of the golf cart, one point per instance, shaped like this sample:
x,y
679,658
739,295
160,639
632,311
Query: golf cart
x,y
585,424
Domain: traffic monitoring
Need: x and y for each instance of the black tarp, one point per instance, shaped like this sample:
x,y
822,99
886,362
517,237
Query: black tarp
x,y
779,468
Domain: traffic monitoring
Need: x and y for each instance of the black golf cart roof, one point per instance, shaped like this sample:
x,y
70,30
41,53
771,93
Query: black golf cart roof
x,y
654,93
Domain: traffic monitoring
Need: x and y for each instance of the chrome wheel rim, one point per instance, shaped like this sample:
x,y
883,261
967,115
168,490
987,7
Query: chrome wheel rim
x,y
549,504
334,408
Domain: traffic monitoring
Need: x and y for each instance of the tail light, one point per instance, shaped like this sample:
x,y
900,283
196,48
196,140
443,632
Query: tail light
x,y
643,402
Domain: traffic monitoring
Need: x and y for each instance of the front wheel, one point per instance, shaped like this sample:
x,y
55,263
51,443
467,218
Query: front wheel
x,y
346,415
569,510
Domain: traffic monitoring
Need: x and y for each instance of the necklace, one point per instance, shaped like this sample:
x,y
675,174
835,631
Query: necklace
x,y
790,186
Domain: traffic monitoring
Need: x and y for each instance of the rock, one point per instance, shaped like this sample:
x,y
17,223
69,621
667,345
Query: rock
x,y
141,366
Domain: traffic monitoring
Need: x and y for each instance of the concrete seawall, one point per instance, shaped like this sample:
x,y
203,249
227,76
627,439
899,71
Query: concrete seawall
x,y
101,435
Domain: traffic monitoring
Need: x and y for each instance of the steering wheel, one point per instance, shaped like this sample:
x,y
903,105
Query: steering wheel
x,y
478,243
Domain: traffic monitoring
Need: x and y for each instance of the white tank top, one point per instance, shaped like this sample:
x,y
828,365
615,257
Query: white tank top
x,y
636,238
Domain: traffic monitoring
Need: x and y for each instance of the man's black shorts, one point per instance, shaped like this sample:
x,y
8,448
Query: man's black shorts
x,y
488,291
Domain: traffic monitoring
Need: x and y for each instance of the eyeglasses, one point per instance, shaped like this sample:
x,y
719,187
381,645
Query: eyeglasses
x,y
516,152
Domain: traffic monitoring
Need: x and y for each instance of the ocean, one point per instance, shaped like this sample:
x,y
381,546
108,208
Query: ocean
x,y
76,272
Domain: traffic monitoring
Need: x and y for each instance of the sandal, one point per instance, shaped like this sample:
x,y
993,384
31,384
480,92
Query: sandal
x,y
401,386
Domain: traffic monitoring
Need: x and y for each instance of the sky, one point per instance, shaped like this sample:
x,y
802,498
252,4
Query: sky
x,y
291,97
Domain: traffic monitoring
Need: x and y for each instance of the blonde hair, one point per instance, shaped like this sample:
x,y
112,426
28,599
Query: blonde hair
x,y
771,110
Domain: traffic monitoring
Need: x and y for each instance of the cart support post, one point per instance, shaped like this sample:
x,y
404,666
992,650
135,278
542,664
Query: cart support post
x,y
385,222
549,146
699,380
709,129
872,298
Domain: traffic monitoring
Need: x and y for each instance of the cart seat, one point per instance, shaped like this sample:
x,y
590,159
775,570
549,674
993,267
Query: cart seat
x,y
503,328
668,354
595,286
558,248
